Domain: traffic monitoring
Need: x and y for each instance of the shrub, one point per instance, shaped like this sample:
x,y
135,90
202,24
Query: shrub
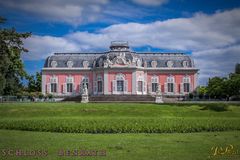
x,y
40,96
218,107
50,96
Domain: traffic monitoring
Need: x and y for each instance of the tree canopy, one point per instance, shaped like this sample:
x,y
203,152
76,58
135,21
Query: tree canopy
x,y
225,87
237,68
11,65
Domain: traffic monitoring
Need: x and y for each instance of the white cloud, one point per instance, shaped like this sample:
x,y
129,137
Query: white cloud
x,y
150,2
73,12
213,39
77,12
42,46
216,62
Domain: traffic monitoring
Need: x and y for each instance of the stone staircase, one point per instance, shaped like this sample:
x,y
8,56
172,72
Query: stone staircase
x,y
77,98
113,98
121,98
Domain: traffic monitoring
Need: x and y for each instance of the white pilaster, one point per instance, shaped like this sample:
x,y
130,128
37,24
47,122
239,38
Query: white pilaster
x,y
134,78
105,82
145,84
43,84
94,83
195,81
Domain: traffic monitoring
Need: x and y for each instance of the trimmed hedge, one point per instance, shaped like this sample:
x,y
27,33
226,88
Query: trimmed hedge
x,y
122,125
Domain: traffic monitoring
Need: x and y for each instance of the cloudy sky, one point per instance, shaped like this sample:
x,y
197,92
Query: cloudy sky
x,y
207,30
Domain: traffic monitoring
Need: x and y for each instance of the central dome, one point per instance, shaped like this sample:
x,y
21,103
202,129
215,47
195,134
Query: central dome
x,y
119,54
119,46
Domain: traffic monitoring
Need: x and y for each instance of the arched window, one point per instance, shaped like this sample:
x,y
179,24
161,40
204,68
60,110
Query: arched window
x,y
99,84
140,84
154,83
170,84
185,85
120,82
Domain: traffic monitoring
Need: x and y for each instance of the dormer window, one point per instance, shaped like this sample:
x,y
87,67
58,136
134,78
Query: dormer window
x,y
54,64
185,64
69,64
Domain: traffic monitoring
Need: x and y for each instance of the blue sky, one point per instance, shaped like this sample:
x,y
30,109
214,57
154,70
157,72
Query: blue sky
x,y
207,30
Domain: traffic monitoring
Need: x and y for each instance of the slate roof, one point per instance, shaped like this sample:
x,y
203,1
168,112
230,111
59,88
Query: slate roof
x,y
78,58
163,58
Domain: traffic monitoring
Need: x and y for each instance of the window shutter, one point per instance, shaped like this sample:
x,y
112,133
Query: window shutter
x,y
49,88
95,86
58,87
190,87
181,87
89,87
114,86
73,89
144,86
137,86
64,87
174,87
102,86
125,86
165,88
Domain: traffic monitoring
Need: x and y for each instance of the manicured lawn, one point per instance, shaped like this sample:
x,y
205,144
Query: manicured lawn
x,y
177,146
122,130
118,118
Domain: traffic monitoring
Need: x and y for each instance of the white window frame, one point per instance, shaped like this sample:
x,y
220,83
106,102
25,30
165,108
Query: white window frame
x,y
68,80
99,78
120,77
154,79
141,78
170,79
185,79
53,80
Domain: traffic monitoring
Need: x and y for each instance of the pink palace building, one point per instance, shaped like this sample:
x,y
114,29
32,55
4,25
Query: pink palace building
x,y
119,71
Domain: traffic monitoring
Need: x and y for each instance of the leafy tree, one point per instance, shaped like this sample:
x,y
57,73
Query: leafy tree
x,y
31,83
38,82
215,87
233,85
202,91
34,82
11,65
237,68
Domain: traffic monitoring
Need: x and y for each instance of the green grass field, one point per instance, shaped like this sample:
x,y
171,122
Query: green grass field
x,y
123,130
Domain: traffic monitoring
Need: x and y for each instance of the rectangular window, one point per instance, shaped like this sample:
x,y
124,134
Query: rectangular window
x,y
186,87
120,86
99,85
154,87
53,87
69,87
140,86
170,87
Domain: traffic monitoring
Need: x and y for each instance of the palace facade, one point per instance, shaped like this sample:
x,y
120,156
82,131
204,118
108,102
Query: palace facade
x,y
119,71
